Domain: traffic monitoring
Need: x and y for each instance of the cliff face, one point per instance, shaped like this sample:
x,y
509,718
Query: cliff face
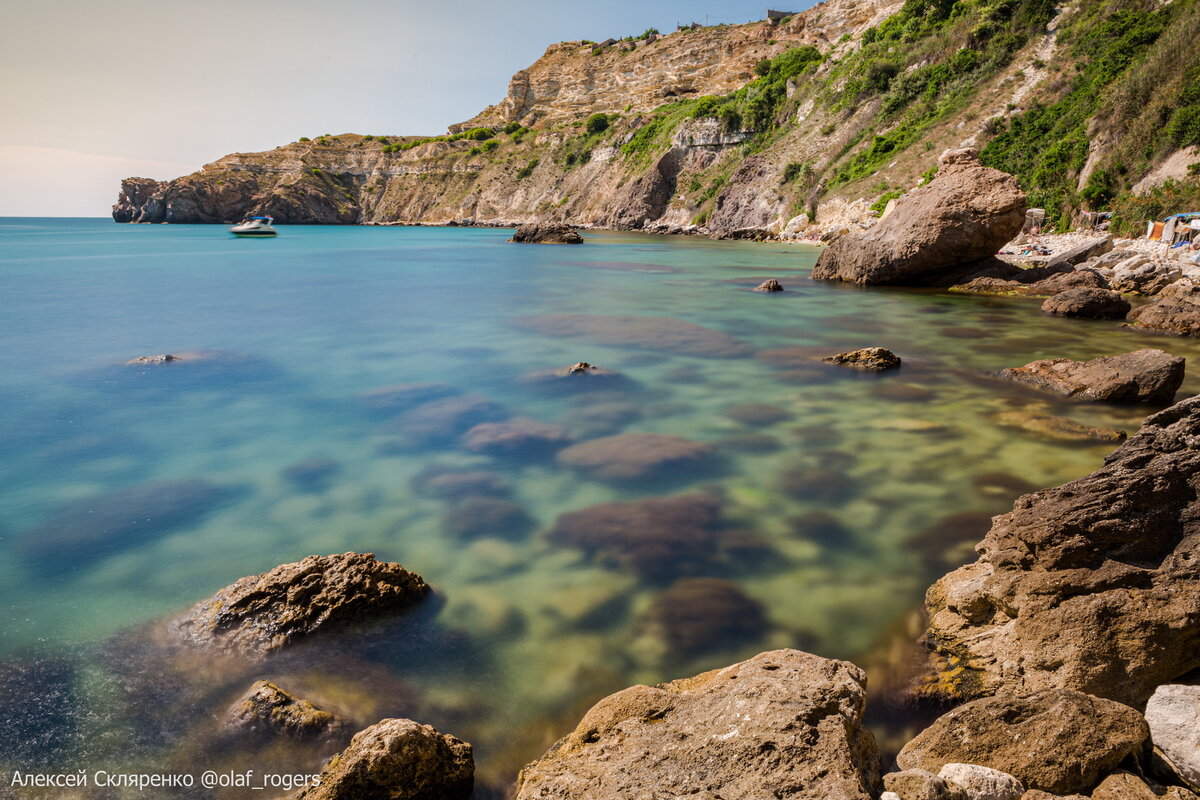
x,y
746,130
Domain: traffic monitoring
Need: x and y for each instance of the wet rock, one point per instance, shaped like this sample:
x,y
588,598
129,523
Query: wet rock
x,y
578,376
869,358
311,474
1109,557
982,783
477,517
1087,303
919,784
602,417
1175,311
39,709
1143,376
769,285
546,233
636,456
650,333
260,614
397,759
793,357
265,708
965,215
1033,283
1059,428
405,396
783,723
656,538
750,443
699,615
440,421
517,437
442,482
756,414
1173,713
1056,740
85,531
165,358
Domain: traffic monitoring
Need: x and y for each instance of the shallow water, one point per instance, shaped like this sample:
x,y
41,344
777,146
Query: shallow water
x,y
841,495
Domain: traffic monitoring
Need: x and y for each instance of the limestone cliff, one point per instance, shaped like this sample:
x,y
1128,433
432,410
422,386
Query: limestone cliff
x,y
740,130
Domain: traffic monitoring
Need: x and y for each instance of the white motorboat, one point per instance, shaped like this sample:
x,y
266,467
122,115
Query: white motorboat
x,y
256,227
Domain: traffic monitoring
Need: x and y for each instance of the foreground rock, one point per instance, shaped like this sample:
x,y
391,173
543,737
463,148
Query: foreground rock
x,y
636,456
1058,740
260,614
397,759
1176,311
1143,376
875,359
1088,303
546,233
965,215
1093,586
266,708
1174,717
782,724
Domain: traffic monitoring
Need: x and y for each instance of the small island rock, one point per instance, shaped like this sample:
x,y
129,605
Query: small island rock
x,y
769,285
546,233
875,359
260,614
1143,376
267,708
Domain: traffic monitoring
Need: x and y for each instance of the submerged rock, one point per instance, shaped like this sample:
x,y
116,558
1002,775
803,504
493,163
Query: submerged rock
x,y
651,333
1088,303
1173,714
39,709
397,759
965,215
661,537
440,421
1176,311
260,614
404,396
447,482
1033,283
546,233
311,474
1060,428
84,531
756,414
1056,740
482,516
782,724
516,437
769,285
580,376
265,708
1143,376
876,359
698,615
1109,558
636,456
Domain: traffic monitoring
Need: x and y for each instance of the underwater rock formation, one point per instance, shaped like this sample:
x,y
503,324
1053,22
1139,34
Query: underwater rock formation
x,y
630,457
698,615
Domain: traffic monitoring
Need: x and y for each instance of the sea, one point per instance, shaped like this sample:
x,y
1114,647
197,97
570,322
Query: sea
x,y
326,401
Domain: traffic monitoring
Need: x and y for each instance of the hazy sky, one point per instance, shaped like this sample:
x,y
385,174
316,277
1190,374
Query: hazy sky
x,y
92,91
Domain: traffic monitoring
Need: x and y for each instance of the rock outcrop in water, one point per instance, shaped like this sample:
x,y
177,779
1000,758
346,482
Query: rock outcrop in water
x,y
1092,586
260,614
873,359
782,724
266,708
546,233
964,216
1143,376
1176,311
397,759
1088,303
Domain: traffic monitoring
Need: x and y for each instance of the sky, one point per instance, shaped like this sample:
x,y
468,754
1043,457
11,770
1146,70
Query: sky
x,y
93,91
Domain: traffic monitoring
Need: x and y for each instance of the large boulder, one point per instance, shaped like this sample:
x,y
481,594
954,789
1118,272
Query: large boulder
x,y
782,724
966,214
546,233
260,614
1176,311
1093,586
1143,376
1056,740
1087,303
397,759
1174,716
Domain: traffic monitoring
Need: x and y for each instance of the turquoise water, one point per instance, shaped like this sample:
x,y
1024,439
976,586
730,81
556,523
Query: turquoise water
x,y
832,498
